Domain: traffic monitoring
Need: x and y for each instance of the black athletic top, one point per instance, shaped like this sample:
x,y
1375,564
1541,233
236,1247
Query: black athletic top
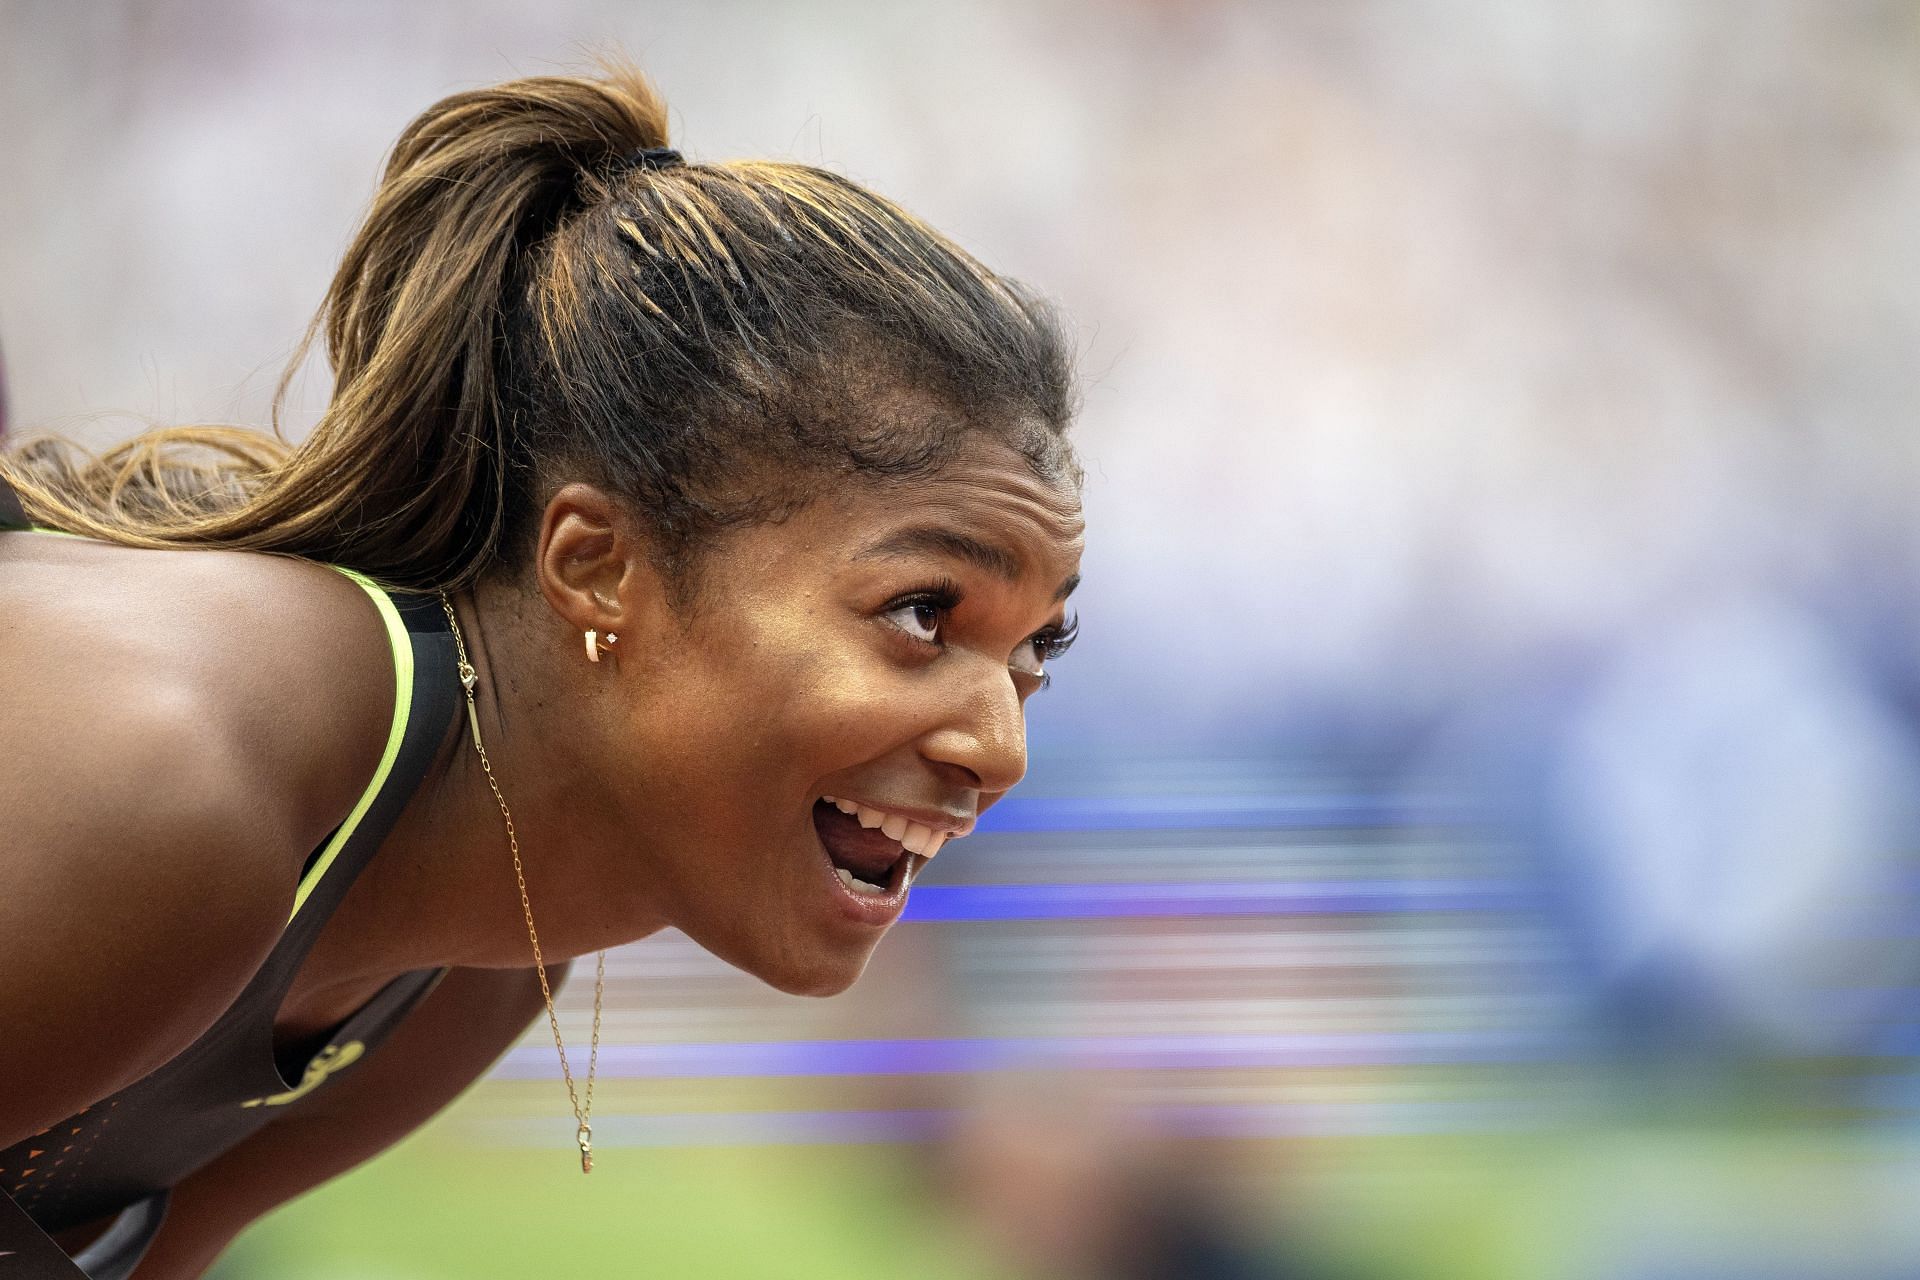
x,y
125,1151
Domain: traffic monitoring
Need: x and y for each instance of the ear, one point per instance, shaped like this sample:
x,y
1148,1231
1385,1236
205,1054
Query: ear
x,y
595,568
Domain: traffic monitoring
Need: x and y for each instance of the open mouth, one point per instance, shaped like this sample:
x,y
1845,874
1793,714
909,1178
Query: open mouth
x,y
869,862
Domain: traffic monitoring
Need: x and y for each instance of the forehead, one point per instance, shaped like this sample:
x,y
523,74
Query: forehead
x,y
985,504
985,499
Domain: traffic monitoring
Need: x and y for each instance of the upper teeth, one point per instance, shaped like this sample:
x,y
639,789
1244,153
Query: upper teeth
x,y
913,837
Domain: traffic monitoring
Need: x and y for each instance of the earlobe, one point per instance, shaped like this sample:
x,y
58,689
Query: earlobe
x,y
592,567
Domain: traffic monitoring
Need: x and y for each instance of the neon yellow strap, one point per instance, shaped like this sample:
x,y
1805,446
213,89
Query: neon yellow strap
x,y
402,709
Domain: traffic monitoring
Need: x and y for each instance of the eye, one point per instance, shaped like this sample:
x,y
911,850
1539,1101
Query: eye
x,y
920,620
1045,646
919,613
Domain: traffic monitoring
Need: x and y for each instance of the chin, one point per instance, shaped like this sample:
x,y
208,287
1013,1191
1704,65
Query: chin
x,y
822,975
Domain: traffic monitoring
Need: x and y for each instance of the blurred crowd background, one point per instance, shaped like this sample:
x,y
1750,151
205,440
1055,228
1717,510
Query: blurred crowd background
x,y
1474,835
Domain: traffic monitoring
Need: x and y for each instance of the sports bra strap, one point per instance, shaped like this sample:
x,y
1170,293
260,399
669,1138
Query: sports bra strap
x,y
401,645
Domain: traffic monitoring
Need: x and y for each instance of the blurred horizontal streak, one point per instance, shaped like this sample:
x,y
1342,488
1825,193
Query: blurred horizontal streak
x,y
1199,856
1176,1053
931,903
1027,814
739,1128
1351,1119
1215,952
1568,1081
779,1128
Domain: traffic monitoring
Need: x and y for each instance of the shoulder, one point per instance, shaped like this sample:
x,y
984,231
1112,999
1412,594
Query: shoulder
x,y
276,671
299,658
183,728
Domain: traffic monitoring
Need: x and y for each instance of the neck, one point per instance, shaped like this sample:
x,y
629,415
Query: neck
x,y
441,890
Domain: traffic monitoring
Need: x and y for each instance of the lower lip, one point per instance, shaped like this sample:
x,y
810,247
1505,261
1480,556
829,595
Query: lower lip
x,y
876,910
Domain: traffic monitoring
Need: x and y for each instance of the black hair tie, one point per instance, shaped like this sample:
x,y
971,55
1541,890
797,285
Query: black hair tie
x,y
653,158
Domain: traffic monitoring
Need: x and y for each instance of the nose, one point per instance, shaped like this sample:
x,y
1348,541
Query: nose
x,y
985,739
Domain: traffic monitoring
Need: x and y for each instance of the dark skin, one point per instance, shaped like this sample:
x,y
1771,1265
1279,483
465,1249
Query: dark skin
x,y
672,785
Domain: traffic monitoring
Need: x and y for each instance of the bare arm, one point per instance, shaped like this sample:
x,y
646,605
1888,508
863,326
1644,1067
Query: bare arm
x,y
443,1046
132,910
177,730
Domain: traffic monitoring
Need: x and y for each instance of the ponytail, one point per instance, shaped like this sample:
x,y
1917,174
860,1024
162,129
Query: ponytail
x,y
405,475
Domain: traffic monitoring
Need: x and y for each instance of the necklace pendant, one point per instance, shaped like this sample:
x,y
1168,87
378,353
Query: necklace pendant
x,y
585,1138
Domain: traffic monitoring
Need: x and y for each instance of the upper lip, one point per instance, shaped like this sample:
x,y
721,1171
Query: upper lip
x,y
953,824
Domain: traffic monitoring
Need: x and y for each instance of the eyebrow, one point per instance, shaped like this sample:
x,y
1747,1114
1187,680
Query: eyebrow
x,y
934,540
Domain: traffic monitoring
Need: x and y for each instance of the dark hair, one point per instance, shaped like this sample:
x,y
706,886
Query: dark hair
x,y
525,304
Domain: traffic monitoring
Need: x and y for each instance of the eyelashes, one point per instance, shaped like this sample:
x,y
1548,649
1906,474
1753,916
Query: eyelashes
x,y
1054,641
938,598
1051,643
942,596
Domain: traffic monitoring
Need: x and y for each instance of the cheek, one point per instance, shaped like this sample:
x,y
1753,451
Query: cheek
x,y
828,714
746,718
775,716
722,722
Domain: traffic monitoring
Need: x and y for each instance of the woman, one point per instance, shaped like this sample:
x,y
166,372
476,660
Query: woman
x,y
679,547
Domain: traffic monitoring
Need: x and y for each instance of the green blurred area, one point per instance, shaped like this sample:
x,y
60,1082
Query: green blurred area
x,y
436,1209
1573,1202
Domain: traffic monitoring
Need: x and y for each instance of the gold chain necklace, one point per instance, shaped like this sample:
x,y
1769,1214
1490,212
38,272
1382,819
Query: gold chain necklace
x,y
584,1135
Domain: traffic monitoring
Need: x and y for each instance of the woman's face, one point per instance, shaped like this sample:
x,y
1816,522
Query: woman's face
x,y
877,647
